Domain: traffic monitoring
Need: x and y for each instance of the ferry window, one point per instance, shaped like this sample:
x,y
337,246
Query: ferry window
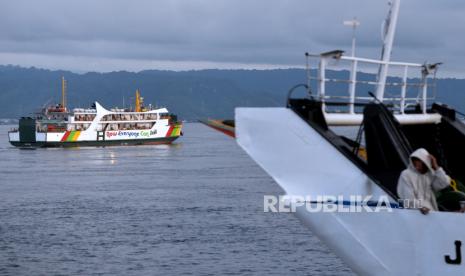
x,y
106,118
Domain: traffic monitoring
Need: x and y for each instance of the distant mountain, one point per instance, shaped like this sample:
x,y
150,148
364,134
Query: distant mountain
x,y
190,94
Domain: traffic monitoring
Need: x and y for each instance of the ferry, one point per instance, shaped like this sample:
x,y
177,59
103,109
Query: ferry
x,y
299,146
57,126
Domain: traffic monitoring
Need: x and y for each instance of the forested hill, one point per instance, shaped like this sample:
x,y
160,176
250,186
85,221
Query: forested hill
x,y
190,94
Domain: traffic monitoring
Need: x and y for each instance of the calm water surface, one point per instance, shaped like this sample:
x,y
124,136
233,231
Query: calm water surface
x,y
195,207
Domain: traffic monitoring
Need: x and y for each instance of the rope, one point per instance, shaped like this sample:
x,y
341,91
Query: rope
x,y
358,139
437,139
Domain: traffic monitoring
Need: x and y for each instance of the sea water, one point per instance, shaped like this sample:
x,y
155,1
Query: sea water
x,y
191,208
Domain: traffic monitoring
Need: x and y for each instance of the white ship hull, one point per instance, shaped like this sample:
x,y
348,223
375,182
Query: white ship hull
x,y
304,163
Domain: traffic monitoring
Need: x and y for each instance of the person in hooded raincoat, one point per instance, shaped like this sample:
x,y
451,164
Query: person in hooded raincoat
x,y
418,182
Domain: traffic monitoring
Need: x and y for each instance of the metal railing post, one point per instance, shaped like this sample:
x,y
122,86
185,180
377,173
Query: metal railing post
x,y
353,82
322,81
404,90
309,76
424,93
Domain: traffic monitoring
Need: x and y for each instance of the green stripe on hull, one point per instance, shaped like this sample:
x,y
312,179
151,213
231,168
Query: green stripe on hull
x,y
70,136
176,131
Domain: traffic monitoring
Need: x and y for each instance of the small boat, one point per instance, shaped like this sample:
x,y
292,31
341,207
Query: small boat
x,y
298,146
56,126
225,126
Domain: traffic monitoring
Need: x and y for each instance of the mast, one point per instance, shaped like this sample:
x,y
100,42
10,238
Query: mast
x,y
137,100
63,93
354,23
390,27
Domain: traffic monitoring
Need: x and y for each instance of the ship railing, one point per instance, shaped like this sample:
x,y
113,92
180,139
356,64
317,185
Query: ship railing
x,y
84,111
129,117
408,84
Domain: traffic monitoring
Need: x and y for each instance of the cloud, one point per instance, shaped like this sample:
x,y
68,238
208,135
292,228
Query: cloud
x,y
260,33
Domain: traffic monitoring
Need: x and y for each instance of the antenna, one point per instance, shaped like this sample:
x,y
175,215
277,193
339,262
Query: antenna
x,y
354,23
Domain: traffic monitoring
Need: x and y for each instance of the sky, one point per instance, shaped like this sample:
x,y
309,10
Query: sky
x,y
113,35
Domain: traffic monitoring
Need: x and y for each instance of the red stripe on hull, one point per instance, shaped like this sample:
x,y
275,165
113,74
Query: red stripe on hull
x,y
65,136
168,134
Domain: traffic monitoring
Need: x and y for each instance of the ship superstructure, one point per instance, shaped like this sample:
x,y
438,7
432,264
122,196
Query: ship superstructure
x,y
57,126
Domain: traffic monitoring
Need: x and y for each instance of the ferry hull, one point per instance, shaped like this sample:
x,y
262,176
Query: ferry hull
x,y
221,126
133,142
304,163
